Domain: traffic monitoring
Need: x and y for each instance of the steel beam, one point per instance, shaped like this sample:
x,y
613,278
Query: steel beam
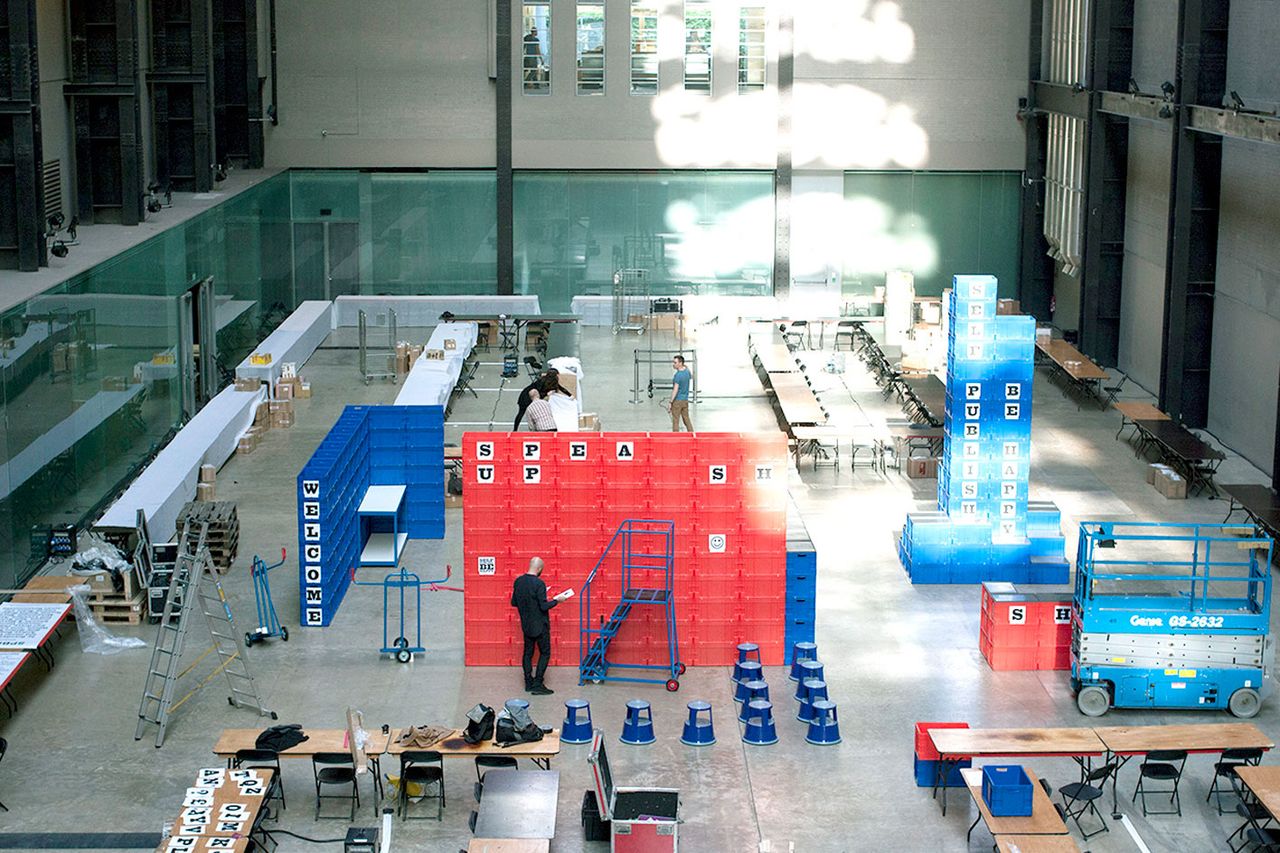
x,y
1035,279
1234,124
1106,177
1140,107
237,92
182,94
22,244
1192,244
505,176
1057,98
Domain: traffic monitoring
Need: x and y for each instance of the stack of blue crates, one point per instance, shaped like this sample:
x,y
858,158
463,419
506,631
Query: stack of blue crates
x,y
802,584
985,529
367,446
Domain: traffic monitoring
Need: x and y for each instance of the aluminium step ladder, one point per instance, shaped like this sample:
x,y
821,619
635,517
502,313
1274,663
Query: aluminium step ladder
x,y
645,548
194,585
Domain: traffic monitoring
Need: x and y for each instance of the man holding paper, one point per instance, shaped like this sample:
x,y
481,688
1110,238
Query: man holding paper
x,y
529,598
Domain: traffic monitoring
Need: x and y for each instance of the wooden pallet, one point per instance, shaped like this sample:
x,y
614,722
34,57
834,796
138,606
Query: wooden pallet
x,y
120,612
222,529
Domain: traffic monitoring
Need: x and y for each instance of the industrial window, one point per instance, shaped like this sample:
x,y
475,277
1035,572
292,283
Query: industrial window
x,y
751,57
535,65
697,46
644,48
591,48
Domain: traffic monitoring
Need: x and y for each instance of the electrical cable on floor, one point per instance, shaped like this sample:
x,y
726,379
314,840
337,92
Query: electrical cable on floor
x,y
306,839
751,794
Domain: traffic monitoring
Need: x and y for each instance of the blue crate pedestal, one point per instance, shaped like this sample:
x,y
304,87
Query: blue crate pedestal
x,y
926,773
1007,790
986,528
383,528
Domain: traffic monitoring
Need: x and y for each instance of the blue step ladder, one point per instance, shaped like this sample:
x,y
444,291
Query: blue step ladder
x,y
645,552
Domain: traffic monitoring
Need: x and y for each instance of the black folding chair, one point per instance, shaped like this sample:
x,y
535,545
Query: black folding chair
x,y
1081,798
335,769
1164,765
4,747
425,768
1113,391
1226,769
268,758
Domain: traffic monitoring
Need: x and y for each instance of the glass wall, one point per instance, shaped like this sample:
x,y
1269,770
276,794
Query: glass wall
x,y
88,382
695,232
935,224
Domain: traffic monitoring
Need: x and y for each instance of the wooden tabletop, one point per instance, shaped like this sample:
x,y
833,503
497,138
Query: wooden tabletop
x,y
966,742
1036,844
227,793
1197,737
1264,781
1134,410
454,745
509,845
1074,363
796,399
1043,820
1179,440
318,740
775,358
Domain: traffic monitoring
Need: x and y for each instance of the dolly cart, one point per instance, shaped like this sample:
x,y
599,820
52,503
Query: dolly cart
x,y
268,623
1171,615
642,820
400,581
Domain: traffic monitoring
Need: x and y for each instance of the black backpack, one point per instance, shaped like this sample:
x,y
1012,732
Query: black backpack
x,y
479,724
509,733
281,737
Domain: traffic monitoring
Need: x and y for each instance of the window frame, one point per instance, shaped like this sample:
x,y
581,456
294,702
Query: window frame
x,y
758,12
528,86
696,9
592,87
645,11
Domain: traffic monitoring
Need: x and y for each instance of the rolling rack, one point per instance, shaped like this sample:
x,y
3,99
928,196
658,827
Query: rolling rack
x,y
630,300
645,548
389,369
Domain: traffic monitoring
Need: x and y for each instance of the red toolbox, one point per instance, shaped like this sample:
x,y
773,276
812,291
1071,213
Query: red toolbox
x,y
642,820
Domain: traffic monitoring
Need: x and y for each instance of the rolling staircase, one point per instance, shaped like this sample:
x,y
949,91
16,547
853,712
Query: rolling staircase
x,y
645,552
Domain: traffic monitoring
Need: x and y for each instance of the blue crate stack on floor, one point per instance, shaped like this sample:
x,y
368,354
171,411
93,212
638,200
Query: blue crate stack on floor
x,y
986,528
802,583
367,446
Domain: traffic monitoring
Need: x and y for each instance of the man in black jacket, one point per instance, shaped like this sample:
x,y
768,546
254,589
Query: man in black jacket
x,y
529,598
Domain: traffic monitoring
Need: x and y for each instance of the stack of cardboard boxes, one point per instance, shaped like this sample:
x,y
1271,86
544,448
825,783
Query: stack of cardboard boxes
x,y
205,490
406,355
1167,481
277,413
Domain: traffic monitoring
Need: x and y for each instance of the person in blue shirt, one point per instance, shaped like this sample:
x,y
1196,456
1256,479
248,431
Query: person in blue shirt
x,y
680,395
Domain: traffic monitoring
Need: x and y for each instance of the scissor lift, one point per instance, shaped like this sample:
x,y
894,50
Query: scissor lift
x,y
1170,615
646,549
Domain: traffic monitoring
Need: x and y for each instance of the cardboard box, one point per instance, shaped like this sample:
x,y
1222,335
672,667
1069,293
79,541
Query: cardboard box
x,y
569,382
1008,306
246,445
248,384
278,406
589,421
304,391
282,420
922,468
1171,485
284,390
204,491
1153,470
208,473
114,383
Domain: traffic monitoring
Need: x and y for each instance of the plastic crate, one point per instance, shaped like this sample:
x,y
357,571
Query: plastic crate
x,y
924,744
926,772
1007,790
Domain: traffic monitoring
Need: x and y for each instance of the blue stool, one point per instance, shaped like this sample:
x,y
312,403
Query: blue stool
x,y
813,689
747,670
745,651
516,703
760,729
756,690
576,728
697,731
824,730
752,671
799,652
808,669
637,729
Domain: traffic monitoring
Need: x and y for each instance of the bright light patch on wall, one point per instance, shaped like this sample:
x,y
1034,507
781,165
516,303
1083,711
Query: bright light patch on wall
x,y
849,127
714,248
695,131
878,239
854,31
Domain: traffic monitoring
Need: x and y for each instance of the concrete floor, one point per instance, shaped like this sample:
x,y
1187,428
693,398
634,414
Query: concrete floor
x,y
894,653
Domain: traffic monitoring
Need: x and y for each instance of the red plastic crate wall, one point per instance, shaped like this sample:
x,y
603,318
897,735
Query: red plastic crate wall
x,y
1023,632
562,496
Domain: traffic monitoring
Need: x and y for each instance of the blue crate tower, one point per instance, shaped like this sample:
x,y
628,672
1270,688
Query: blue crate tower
x,y
986,528
367,446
